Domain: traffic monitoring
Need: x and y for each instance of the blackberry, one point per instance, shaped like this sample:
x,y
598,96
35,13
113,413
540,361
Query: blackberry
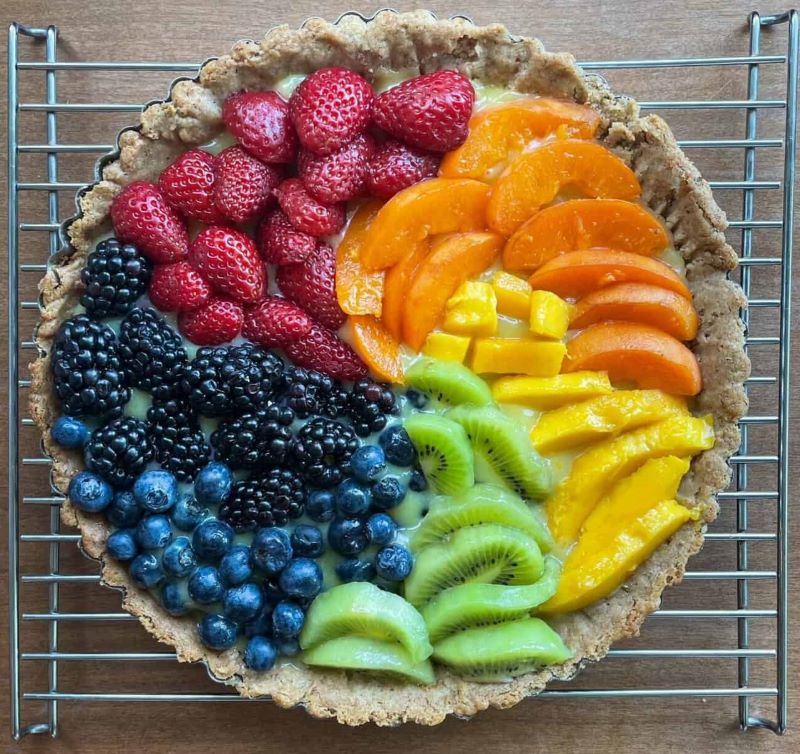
x,y
369,406
152,352
310,393
87,371
322,451
231,379
178,441
257,439
267,499
115,275
119,451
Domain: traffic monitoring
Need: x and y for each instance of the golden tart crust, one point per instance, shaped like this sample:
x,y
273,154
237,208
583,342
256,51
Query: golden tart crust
x,y
671,186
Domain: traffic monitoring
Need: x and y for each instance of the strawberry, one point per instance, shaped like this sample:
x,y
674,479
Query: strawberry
x,y
177,287
430,112
306,213
243,187
330,108
260,122
228,259
188,186
275,322
323,351
141,216
213,324
340,176
279,242
312,286
396,166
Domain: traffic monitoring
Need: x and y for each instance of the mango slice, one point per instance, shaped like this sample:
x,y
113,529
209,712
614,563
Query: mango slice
x,y
546,393
549,315
517,356
472,310
513,295
446,347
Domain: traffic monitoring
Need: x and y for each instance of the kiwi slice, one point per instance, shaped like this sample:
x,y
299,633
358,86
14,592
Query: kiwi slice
x,y
482,504
489,554
448,382
473,605
362,609
498,653
358,653
444,452
503,454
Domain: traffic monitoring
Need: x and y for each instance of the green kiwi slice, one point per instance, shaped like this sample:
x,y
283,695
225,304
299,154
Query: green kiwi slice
x,y
362,609
473,605
448,382
501,652
489,554
358,653
444,452
503,454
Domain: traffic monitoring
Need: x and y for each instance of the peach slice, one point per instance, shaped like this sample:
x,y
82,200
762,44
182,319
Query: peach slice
x,y
358,291
535,178
396,284
377,348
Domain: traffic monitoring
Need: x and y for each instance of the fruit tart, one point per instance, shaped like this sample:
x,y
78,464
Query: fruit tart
x,y
393,367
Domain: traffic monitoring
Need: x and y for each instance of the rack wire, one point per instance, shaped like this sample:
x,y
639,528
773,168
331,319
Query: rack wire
x,y
53,632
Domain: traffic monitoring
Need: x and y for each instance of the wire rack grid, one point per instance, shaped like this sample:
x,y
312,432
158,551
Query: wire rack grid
x,y
738,640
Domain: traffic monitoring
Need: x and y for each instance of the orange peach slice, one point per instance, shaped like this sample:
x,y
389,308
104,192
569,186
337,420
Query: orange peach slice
x,y
396,284
358,291
378,349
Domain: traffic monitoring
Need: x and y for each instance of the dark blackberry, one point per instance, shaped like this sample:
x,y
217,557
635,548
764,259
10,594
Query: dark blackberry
x,y
87,371
119,451
322,451
152,352
270,498
231,379
115,275
258,439
310,393
369,406
178,441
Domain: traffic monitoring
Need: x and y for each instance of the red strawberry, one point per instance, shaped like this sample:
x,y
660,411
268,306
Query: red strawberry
x,y
312,286
323,351
213,324
429,112
228,259
396,166
244,185
340,176
188,186
261,124
275,322
306,213
330,108
141,216
279,242
177,287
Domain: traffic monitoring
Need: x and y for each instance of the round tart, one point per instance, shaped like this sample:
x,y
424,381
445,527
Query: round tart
x,y
624,356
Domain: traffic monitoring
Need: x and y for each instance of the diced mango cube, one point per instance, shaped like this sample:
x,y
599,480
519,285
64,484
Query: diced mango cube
x,y
517,356
546,393
513,295
446,347
472,310
549,315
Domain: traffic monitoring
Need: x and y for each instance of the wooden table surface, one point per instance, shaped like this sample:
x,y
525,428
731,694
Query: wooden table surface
x,y
190,30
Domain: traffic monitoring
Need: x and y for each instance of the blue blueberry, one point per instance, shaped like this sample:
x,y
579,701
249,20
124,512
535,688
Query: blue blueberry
x,y
178,559
289,648
235,567
272,550
387,493
124,511
156,491
205,585
368,463
188,513
352,499
397,446
218,632
213,483
382,528
261,625
69,432
153,532
418,482
173,598
121,545
145,571
212,539
307,541
354,569
320,506
348,536
243,602
89,492
260,653
301,579
287,620
394,562
273,594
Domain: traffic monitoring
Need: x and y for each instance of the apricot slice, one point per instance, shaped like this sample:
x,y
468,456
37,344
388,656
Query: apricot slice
x,y
449,264
584,224
377,348
637,354
358,291
439,205
396,284
535,178
496,131
575,275
638,302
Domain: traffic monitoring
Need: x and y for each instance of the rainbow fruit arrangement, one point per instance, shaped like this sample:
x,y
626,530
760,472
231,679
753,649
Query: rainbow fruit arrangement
x,y
493,265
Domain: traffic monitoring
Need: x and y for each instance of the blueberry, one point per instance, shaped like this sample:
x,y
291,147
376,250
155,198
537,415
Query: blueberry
x,y
124,511
178,559
387,493
273,594
382,528
394,562
260,653
121,545
348,536
156,491
272,550
235,567
397,446
218,632
213,483
307,541
417,399
287,620
352,499
173,598
212,539
188,513
320,506
205,585
353,569
243,602
153,532
301,579
289,648
418,482
146,571
261,625
69,432
368,463
89,492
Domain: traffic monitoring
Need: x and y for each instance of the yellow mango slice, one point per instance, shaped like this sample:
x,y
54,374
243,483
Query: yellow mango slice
x,y
598,418
446,347
546,393
513,295
472,310
549,315
517,356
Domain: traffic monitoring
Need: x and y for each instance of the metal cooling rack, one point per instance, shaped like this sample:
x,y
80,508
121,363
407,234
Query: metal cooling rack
x,y
738,641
